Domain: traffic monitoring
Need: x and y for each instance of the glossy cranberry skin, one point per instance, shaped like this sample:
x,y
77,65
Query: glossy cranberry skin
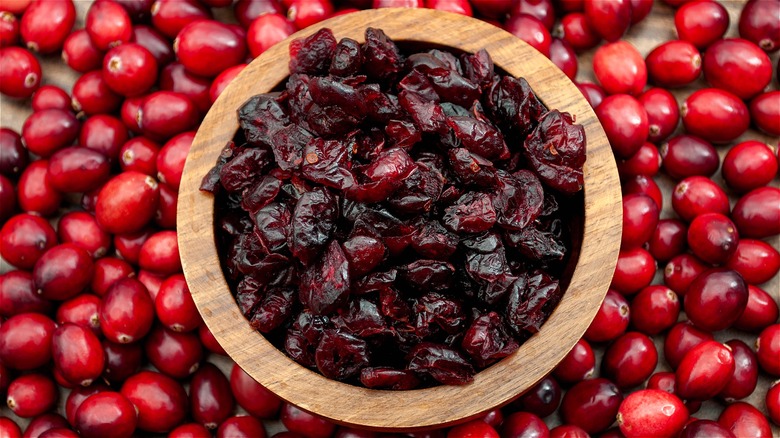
x,y
765,111
129,113
563,56
758,24
768,349
591,404
7,198
542,399
107,271
611,320
161,402
175,354
674,64
242,426
686,155
174,77
106,413
531,30
246,11
738,66
209,341
492,8
640,217
104,134
92,95
252,396
716,299
625,122
122,361
680,339
126,312
81,229
654,309
165,217
20,72
620,68
50,97
31,395
745,377
62,272
127,202
651,412
749,165
174,305
267,30
304,423
9,29
77,353
80,54
24,239
643,184
593,93
166,113
668,240
171,16
635,270
207,48
190,430
702,428
210,396
761,311
77,169
35,193
757,213
128,246
704,371
139,154
630,360
681,270
773,402
609,18
9,428
646,161
701,23
223,80
25,341
524,424
743,419
755,260
77,396
43,423
577,31
48,131
129,69
44,26
715,115
13,154
108,24
171,158
153,41
697,195
663,114
160,253
17,295
713,238
81,310
579,364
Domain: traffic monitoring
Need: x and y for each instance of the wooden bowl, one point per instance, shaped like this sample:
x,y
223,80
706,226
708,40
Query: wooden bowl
x,y
423,408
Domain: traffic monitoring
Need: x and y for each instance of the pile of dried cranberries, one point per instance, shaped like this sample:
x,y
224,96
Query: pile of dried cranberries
x,y
395,219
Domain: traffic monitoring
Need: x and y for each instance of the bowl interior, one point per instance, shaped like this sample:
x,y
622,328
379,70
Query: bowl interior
x,y
441,405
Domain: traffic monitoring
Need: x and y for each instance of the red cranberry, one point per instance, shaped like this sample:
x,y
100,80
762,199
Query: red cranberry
x,y
640,217
20,72
7,198
668,240
50,97
643,184
611,320
60,433
640,9
620,68
757,213
541,9
207,48
765,111
697,195
761,311
651,412
24,239
80,54
166,113
25,341
267,30
743,419
45,26
306,424
31,395
106,413
174,77
165,217
625,122
579,364
773,402
757,23
77,353
252,396
223,80
749,165
210,397
610,18
738,66
108,24
743,381
663,114
8,428
593,93
529,29
78,169
122,361
635,269
126,312
492,8
686,155
129,69
92,95
716,299
680,272
591,404
654,309
522,424
630,360
704,371
17,295
563,56
175,354
171,158
128,246
247,10
680,340
304,13
62,272
646,161
161,402
13,154
190,430
568,431
242,426
542,399
160,254
701,23
376,4
704,428
715,115
105,134
139,154
129,113
44,423
755,260
174,305
48,131
9,29
81,310
674,64
713,238
493,417
768,349
577,31
209,341
171,16
35,192
127,202
107,271
153,41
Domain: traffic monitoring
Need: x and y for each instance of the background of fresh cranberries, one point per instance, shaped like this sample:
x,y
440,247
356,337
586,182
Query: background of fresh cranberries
x,y
657,28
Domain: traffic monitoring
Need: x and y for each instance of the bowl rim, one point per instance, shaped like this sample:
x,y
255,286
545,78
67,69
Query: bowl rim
x,y
422,408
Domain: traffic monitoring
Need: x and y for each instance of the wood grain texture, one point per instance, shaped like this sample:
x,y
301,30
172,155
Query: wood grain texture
x,y
407,410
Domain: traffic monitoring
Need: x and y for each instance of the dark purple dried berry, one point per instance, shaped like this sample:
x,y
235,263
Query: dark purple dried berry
x,y
364,253
479,137
328,162
381,57
340,355
237,174
347,58
442,363
273,310
512,102
518,199
272,226
556,151
313,221
472,213
261,194
388,378
488,340
433,241
325,284
312,54
532,298
261,117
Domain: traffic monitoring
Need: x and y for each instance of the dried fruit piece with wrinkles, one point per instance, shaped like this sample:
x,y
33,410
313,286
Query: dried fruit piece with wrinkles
x,y
556,151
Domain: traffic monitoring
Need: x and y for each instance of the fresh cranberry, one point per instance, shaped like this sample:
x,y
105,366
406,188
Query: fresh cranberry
x,y
31,395
668,240
755,260
153,41
108,24
7,198
77,353
577,31
175,354
304,13
541,9
646,161
174,77
207,47
209,341
267,30
593,93
126,312
630,360
92,95
160,254
701,23
640,9
174,305
50,97
568,431
713,238
45,26
687,155
749,165
563,56
635,269
579,364
35,193
765,111
106,413
122,361
680,272
611,320
674,64
24,239
246,11
139,154
9,29
164,114
757,213
704,371
60,432
640,217
80,54
17,295
738,66
610,18
625,122
25,341
210,396
128,246
524,424
127,202
680,339
223,80
77,169
743,419
62,272
165,216
161,402
745,377
591,404
715,115
376,4
9,428
495,9
697,195
129,113
48,131
757,23
704,428
20,72
654,309
107,271
44,423
643,184
716,299
542,399
252,396
129,69
171,158
663,114
773,402
620,68
531,30
242,426
651,412
190,430
81,310
768,349
304,423
105,134
761,311
13,154
171,16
